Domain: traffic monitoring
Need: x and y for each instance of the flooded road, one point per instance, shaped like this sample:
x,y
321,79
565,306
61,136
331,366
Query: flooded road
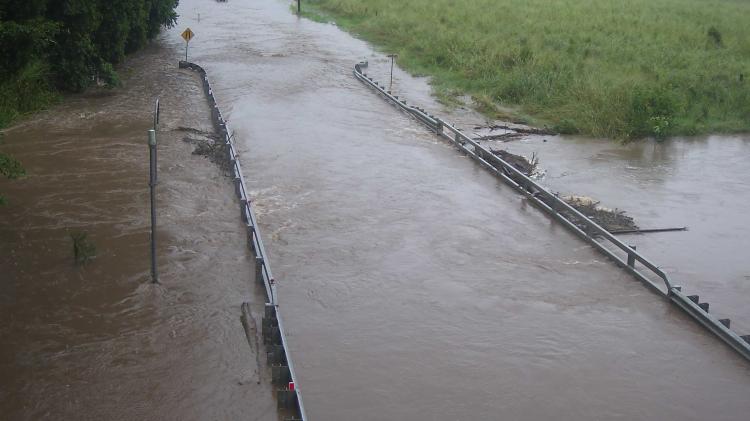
x,y
99,341
413,284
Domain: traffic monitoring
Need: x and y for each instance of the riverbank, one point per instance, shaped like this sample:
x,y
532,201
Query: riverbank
x,y
100,341
605,69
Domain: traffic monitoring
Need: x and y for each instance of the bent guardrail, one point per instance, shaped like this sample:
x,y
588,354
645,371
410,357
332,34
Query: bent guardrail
x,y
624,256
288,391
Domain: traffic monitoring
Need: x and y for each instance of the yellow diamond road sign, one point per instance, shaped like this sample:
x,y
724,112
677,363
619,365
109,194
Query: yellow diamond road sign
x,y
188,35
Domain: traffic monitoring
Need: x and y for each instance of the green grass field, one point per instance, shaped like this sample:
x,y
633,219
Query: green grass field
x,y
614,68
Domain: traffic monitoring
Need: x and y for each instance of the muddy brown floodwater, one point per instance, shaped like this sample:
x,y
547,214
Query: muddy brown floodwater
x,y
413,284
101,342
416,286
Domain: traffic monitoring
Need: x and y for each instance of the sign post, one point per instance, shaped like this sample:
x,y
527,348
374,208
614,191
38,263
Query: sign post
x,y
187,35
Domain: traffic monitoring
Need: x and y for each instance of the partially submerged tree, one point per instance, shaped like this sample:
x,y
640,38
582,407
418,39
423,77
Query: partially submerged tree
x,y
10,168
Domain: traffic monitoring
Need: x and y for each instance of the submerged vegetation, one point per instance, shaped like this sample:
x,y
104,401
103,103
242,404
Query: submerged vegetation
x,y
48,46
84,249
9,168
602,68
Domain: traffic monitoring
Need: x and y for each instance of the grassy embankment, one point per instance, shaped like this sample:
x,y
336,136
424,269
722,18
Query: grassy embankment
x,y
621,69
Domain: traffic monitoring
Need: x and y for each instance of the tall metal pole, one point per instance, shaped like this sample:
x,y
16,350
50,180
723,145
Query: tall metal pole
x,y
152,185
156,128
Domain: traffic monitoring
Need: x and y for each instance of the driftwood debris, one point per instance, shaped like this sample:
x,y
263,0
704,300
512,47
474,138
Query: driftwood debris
x,y
614,221
208,145
609,219
192,130
521,163
504,137
524,130
648,230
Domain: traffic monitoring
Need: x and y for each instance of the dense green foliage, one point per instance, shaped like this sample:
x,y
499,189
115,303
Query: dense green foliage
x,y
46,45
611,68
52,45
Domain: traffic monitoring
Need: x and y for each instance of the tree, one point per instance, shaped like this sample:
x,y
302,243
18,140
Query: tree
x,y
77,40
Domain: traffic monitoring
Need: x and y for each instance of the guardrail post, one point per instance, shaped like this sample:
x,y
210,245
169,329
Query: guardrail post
x,y
280,374
251,237
259,269
243,210
631,257
237,187
270,326
286,399
275,354
438,126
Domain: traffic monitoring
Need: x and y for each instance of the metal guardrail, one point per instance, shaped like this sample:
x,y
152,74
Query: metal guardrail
x,y
624,256
288,391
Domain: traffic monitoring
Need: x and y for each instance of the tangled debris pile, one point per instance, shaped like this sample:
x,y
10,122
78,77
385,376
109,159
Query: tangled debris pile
x,y
527,166
208,145
503,137
517,129
613,220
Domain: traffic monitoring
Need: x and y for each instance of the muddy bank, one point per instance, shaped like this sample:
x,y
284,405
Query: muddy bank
x,y
98,341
